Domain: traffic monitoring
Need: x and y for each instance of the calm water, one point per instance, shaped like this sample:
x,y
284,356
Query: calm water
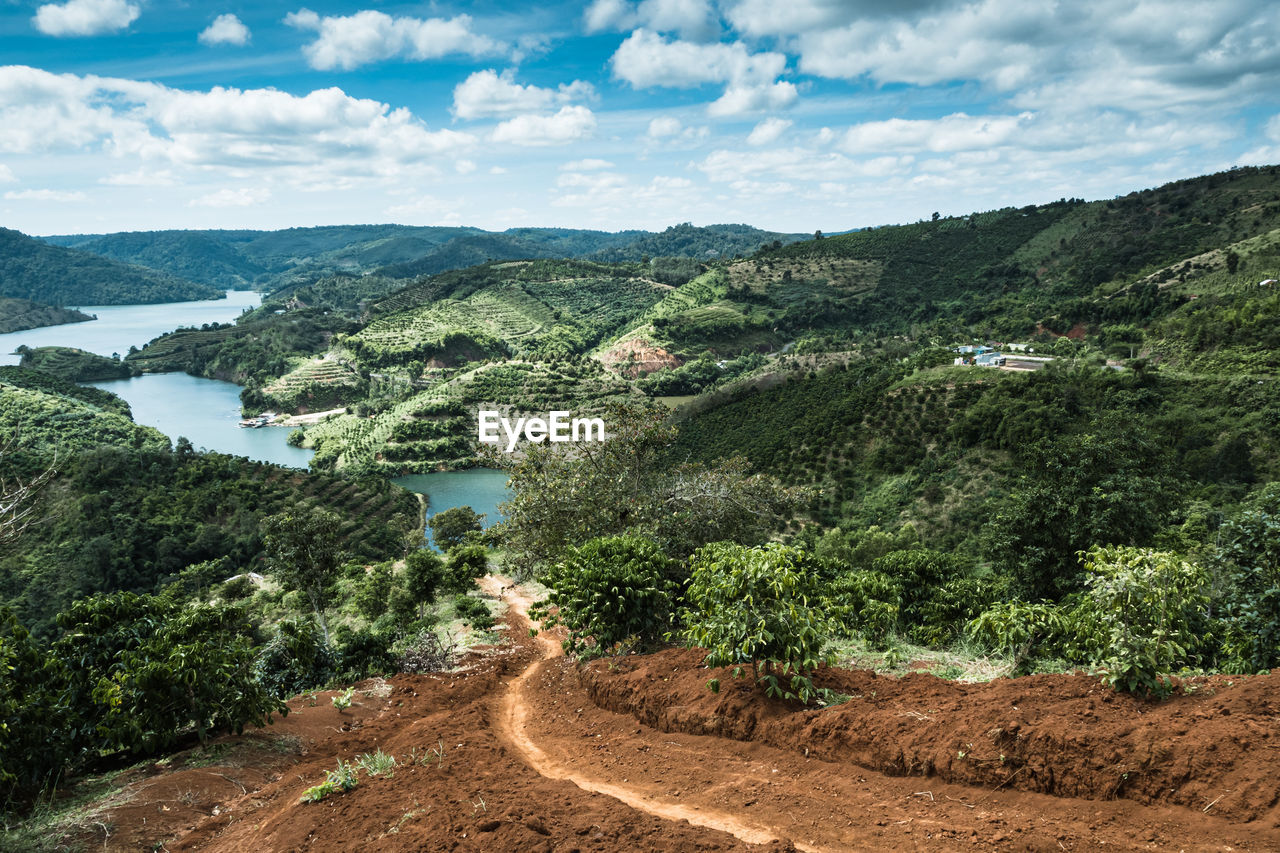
x,y
119,327
207,412
482,489
204,410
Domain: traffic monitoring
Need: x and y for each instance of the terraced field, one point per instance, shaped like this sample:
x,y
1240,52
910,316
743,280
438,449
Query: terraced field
x,y
437,427
316,383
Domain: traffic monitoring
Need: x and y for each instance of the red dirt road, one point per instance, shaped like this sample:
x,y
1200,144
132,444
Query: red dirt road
x,y
531,762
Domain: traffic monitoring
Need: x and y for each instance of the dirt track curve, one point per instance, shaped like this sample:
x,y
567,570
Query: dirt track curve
x,y
512,753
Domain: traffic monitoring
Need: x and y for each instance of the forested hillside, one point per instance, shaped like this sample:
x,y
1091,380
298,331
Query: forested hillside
x,y
17,315
298,257
32,269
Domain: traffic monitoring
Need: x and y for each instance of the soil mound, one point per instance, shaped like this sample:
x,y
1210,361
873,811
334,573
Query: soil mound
x,y
1065,735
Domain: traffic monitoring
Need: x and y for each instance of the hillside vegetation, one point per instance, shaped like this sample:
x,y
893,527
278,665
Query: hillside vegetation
x,y
32,269
17,315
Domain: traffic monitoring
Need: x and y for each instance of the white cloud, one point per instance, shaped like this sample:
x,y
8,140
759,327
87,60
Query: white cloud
x,y
956,132
242,197
141,178
691,19
590,164
85,17
464,167
1273,129
367,36
645,59
325,133
568,125
44,195
1137,56
664,126
743,100
6,175
487,94
225,29
768,131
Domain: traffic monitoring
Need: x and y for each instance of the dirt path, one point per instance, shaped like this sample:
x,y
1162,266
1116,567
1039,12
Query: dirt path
x,y
512,725
511,752
759,793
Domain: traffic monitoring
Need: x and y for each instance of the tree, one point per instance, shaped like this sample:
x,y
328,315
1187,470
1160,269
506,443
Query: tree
x,y
757,607
463,565
371,598
303,552
1108,486
423,575
630,484
450,527
613,592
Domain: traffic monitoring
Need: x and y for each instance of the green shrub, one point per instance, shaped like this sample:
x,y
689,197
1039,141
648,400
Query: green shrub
x,y
34,739
462,566
144,670
757,607
296,659
474,612
866,602
1020,629
612,594
365,652
1155,603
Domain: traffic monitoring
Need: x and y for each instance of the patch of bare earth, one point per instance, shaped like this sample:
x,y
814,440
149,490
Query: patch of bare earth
x,y
635,356
525,750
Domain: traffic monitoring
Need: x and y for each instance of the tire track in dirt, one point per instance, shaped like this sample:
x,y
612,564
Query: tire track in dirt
x,y
511,726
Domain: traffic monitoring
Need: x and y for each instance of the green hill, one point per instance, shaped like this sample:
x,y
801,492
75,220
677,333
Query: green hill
x,y
32,269
17,315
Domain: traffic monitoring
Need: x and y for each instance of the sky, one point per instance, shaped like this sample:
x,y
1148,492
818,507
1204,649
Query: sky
x,y
790,115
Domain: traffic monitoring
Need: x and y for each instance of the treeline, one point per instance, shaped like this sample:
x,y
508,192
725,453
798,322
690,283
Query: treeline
x,y
31,269
17,315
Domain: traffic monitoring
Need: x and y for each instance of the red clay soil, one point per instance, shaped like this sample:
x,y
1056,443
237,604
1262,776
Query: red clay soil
x,y
1066,735
532,763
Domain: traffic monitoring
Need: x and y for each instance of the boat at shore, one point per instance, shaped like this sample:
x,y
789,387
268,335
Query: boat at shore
x,y
260,421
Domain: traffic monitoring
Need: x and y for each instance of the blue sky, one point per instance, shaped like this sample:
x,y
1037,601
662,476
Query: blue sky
x,y
795,116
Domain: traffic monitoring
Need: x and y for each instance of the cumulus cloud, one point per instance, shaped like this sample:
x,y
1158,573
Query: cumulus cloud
x,y
225,29
44,195
488,94
664,126
242,197
349,41
691,19
590,164
325,132
141,178
1157,53
768,131
568,125
646,59
956,132
85,17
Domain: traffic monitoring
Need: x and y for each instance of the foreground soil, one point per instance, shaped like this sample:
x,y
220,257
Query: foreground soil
x,y
523,750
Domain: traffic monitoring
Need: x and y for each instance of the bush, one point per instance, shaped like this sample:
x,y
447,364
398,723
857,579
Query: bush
x,y
34,740
296,659
462,566
144,670
474,612
757,606
365,652
867,602
612,594
1156,602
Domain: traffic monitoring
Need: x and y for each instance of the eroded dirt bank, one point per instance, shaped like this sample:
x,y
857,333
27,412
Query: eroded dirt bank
x,y
1057,734
513,754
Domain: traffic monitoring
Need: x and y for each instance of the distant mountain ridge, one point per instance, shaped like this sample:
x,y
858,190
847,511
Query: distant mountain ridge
x,y
273,260
55,275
